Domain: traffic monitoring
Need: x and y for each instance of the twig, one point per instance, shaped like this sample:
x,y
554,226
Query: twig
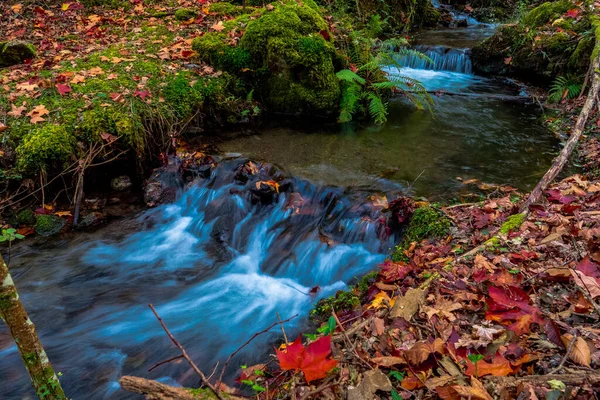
x,y
282,330
247,342
323,386
185,355
337,320
165,361
564,359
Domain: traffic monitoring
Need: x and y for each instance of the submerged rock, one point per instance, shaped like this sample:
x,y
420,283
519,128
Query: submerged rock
x,y
48,225
15,52
163,184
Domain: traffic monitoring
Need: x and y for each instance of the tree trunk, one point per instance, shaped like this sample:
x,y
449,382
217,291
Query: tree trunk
x,y
563,157
44,380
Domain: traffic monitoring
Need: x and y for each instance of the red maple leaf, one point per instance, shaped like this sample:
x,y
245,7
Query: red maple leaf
x,y
574,13
312,360
141,95
499,366
510,306
63,89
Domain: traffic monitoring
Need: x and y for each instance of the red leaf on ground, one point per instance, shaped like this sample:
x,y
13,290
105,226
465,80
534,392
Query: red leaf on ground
x,y
393,271
141,94
557,196
312,360
510,306
589,268
574,13
63,89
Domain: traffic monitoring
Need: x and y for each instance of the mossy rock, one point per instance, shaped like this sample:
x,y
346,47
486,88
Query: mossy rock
x,y
224,8
48,225
26,217
286,55
546,12
44,147
185,14
544,45
15,52
425,223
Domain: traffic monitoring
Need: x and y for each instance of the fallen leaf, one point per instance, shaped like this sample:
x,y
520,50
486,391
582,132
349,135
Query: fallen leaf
x,y
218,26
580,352
589,284
77,79
381,300
422,350
313,360
388,361
499,366
16,111
474,392
63,89
406,306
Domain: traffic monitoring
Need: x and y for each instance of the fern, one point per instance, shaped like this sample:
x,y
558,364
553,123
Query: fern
x,y
351,93
350,77
377,108
564,88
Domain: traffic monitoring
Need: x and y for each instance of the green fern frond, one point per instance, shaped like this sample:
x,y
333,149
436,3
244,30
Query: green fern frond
x,y
351,95
348,76
377,109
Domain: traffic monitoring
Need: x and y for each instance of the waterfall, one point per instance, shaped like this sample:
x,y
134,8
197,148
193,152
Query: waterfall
x,y
442,59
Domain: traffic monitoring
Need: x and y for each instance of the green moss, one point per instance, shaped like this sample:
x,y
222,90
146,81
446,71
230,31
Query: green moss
x,y
426,222
44,147
202,393
546,12
26,217
184,98
48,225
214,49
512,223
342,301
365,282
184,14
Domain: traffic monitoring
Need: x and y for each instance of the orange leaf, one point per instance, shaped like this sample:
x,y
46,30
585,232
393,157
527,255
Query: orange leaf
x,y
422,350
312,360
16,111
499,366
580,352
474,392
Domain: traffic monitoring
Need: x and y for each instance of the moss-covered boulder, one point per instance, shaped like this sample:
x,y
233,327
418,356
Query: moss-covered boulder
x,y
48,225
286,54
547,42
26,217
44,147
185,14
15,52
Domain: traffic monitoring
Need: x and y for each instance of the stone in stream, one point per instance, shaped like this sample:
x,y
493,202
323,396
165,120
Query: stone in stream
x,y
48,225
15,52
163,184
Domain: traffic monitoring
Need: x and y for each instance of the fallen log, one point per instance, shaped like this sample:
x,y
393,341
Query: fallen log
x,y
154,390
563,157
509,382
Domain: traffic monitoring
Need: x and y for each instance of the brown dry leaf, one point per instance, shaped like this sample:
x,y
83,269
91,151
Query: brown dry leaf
x,y
378,326
422,350
95,71
3,127
63,213
483,263
436,381
388,361
443,308
78,79
218,26
16,111
406,306
587,283
474,392
580,353
37,113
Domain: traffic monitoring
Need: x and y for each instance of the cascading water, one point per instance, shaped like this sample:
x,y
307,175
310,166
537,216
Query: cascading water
x,y
440,58
218,264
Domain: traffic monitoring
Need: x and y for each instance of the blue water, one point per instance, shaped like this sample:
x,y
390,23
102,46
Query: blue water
x,y
216,266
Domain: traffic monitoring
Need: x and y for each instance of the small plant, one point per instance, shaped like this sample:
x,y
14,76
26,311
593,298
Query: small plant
x,y
8,235
365,86
564,88
475,358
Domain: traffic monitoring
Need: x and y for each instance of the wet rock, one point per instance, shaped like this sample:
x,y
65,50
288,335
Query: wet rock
x,y
121,183
462,23
264,192
91,219
163,184
15,52
95,203
48,225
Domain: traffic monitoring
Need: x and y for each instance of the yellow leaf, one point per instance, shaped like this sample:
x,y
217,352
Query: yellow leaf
x,y
65,6
63,213
16,8
380,299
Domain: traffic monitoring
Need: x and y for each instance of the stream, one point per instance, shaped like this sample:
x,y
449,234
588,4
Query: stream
x,y
219,267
